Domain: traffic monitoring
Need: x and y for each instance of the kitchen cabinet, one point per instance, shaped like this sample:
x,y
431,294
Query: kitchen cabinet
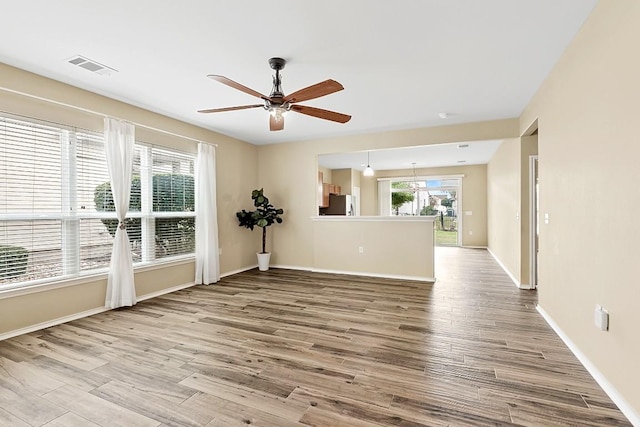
x,y
323,196
324,190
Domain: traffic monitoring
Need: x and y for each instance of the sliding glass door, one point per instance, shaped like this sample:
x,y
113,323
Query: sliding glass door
x,y
430,196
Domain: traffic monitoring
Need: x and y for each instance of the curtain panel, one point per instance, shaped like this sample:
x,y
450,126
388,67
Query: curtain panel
x,y
207,252
119,138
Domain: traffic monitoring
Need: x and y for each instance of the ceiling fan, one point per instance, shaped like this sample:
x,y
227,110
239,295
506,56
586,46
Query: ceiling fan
x,y
277,103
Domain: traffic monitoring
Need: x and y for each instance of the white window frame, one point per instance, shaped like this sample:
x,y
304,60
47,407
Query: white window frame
x,y
70,218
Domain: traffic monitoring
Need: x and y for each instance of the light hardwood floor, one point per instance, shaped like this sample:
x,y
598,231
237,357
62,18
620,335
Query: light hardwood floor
x,y
284,348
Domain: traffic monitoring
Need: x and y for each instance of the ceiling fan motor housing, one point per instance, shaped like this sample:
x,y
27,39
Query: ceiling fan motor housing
x,y
276,93
277,63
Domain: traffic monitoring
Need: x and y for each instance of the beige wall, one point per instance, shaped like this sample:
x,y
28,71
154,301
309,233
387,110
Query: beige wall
x,y
342,177
347,179
337,242
326,174
474,197
356,176
508,206
237,175
587,111
288,175
368,195
39,308
503,205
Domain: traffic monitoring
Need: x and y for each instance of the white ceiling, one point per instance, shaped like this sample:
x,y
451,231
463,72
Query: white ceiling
x,y
429,156
401,62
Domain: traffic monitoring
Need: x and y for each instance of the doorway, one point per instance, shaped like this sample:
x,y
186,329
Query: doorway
x,y
445,195
434,196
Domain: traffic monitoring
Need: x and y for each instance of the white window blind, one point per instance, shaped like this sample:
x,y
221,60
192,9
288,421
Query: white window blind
x,y
31,159
57,217
96,225
384,198
173,207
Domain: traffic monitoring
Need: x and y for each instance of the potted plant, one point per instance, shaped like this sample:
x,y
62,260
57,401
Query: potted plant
x,y
264,216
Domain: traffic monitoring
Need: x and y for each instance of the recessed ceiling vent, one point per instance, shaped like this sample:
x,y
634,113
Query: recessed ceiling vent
x,y
463,145
91,65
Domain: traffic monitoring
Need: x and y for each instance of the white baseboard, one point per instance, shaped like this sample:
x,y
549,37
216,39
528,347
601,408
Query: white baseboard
x,y
165,291
474,247
526,286
91,312
353,273
367,274
356,273
240,270
608,388
51,323
292,267
511,276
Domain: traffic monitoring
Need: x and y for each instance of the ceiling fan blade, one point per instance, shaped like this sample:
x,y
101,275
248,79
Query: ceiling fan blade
x,y
238,86
220,110
315,91
320,113
274,124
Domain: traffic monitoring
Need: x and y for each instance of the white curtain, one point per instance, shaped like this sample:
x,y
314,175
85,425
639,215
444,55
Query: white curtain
x,y
118,142
384,198
207,255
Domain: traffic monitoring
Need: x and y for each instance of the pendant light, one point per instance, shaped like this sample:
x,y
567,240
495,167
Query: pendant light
x,y
414,184
368,170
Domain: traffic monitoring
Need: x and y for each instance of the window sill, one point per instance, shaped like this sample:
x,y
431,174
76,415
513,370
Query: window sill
x,y
87,278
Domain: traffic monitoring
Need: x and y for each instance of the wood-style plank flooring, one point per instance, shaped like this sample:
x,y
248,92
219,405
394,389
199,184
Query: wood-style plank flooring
x,y
289,348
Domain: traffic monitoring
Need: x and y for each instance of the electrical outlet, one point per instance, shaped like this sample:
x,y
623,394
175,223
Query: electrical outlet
x,y
360,249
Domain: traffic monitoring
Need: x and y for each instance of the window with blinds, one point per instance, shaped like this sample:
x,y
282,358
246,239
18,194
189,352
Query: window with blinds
x,y
173,202
57,218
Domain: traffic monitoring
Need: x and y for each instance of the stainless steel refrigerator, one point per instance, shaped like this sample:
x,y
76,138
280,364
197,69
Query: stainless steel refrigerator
x,y
339,205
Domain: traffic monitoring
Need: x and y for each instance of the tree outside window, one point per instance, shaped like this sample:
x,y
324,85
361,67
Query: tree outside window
x,y
399,198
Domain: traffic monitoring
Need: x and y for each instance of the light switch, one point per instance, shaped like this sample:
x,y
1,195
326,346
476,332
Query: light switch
x,y
601,318
468,213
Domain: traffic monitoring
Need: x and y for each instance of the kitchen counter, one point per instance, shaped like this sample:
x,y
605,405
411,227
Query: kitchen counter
x,y
396,246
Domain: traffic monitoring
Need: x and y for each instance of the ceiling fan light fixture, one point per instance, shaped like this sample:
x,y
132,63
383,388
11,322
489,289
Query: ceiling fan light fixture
x,y
278,113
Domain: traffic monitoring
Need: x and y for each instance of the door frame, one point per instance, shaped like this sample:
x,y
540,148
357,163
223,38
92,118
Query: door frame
x,y
533,220
459,189
459,211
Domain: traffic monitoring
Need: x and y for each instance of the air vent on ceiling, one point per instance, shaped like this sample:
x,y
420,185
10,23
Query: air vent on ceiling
x,y
463,145
91,65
